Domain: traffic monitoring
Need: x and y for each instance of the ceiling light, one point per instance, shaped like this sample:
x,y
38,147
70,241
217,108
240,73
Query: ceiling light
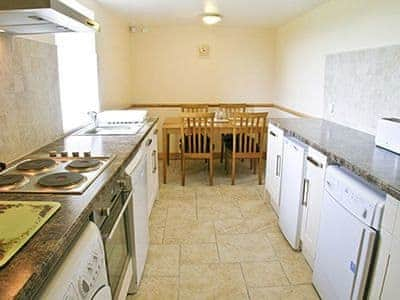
x,y
2,31
211,19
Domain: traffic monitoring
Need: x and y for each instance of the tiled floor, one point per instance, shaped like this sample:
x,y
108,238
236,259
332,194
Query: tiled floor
x,y
219,242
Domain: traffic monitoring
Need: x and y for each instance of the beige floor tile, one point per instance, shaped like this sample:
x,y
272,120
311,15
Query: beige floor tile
x,y
281,246
162,260
297,270
231,226
189,232
294,292
156,234
180,215
240,193
244,248
267,223
156,288
255,208
212,281
158,216
212,210
199,253
263,274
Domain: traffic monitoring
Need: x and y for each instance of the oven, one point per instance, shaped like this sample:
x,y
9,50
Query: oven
x,y
115,223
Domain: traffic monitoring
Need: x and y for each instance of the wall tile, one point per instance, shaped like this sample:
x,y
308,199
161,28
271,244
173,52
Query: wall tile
x,y
30,110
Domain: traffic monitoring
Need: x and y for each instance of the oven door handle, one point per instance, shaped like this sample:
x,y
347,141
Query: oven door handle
x,y
120,216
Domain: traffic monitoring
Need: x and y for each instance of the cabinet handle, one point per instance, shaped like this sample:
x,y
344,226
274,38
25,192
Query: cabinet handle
x,y
306,189
154,161
384,276
314,162
149,141
272,133
278,163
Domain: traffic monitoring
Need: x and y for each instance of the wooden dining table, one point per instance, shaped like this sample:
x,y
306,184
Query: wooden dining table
x,y
172,126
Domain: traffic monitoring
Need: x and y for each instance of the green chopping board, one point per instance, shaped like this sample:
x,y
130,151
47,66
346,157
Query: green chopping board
x,y
19,221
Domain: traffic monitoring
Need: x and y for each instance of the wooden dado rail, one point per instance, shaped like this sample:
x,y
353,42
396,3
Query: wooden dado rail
x,y
215,105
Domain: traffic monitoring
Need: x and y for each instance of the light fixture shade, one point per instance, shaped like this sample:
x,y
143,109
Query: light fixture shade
x,y
211,19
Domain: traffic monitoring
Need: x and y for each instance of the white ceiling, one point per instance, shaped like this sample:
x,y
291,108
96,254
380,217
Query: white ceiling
x,y
266,13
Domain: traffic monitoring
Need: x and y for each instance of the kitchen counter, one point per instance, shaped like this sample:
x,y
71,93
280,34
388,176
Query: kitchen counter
x,y
350,148
25,274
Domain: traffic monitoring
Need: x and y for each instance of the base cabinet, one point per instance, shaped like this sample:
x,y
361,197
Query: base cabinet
x,y
274,164
313,194
386,271
152,167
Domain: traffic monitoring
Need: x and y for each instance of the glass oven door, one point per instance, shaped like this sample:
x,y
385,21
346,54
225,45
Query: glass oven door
x,y
117,237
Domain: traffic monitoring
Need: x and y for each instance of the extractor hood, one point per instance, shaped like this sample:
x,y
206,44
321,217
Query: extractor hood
x,y
42,16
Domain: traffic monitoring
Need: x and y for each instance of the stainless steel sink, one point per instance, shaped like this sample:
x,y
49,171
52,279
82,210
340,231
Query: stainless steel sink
x,y
112,130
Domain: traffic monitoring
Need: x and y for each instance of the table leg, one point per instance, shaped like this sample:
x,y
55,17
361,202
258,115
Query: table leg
x,y
168,143
166,154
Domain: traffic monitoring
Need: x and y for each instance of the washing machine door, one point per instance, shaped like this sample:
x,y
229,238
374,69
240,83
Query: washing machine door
x,y
104,293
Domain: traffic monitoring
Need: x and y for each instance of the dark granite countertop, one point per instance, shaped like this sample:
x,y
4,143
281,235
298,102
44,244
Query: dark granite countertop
x,y
25,274
350,148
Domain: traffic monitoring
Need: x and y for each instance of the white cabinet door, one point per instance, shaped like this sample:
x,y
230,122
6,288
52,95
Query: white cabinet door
x,y
391,287
312,201
152,167
274,164
290,209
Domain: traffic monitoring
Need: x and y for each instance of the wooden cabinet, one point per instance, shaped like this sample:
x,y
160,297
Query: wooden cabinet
x,y
312,202
386,272
152,167
274,164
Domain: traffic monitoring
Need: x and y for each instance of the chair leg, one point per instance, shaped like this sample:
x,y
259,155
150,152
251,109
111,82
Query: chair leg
x,y
254,165
222,149
233,170
182,170
211,171
226,163
260,169
251,164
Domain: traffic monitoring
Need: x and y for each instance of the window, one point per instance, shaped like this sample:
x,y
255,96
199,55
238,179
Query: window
x,y
78,76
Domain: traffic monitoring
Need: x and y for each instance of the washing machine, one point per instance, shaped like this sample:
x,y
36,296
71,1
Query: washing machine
x,y
83,274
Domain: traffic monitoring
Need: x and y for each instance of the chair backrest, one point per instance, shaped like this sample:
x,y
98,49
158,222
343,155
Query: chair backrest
x,y
249,132
231,109
194,108
197,131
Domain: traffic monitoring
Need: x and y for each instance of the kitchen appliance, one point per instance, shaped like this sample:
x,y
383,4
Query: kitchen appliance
x,y
114,218
137,171
82,274
350,221
115,122
292,190
388,134
43,16
56,173
19,221
273,170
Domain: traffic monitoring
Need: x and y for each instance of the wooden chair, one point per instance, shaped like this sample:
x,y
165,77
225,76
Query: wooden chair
x,y
197,131
248,141
229,110
194,108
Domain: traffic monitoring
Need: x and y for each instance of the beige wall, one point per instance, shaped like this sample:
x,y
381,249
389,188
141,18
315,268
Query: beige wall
x,y
167,67
336,26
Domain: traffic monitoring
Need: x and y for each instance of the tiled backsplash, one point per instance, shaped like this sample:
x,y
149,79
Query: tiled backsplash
x,y
30,110
363,86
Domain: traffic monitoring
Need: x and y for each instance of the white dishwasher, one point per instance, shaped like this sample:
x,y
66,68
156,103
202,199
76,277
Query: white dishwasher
x,y
350,219
292,187
137,171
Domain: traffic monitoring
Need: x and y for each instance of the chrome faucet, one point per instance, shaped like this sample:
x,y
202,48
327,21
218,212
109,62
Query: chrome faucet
x,y
93,117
